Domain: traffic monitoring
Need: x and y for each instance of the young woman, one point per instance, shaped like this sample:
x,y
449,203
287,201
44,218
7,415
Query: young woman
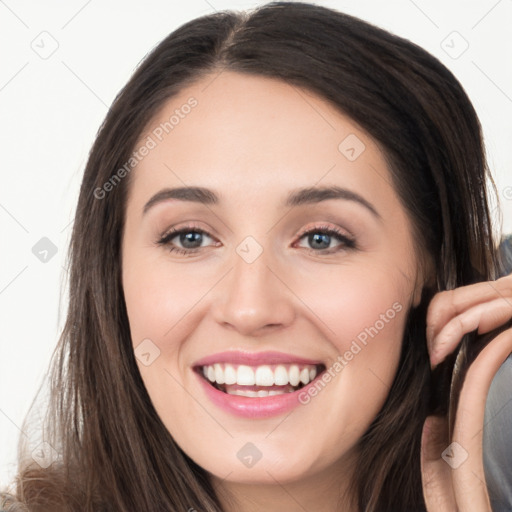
x,y
283,281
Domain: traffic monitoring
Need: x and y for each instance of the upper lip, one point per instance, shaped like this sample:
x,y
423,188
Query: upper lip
x,y
254,358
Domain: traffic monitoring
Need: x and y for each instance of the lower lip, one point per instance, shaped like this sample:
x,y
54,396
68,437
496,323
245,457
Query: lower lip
x,y
254,407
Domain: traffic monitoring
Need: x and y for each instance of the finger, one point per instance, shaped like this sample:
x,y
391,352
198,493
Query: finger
x,y
469,478
450,303
435,473
485,316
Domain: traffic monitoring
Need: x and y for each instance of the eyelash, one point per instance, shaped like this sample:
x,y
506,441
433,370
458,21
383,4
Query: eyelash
x,y
347,243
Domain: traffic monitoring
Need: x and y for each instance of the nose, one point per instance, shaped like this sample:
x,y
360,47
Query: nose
x,y
253,298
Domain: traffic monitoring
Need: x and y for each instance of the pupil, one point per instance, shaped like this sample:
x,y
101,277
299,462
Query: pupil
x,y
318,238
191,237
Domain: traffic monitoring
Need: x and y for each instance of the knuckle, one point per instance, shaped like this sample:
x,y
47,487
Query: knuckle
x,y
439,302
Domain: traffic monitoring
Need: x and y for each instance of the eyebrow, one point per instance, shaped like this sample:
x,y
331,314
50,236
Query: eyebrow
x,y
298,197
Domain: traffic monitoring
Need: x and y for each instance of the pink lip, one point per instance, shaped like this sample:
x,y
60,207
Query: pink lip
x,y
257,407
253,358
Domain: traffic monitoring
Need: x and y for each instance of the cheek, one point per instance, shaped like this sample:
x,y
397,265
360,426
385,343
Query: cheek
x,y
356,303
156,300
362,314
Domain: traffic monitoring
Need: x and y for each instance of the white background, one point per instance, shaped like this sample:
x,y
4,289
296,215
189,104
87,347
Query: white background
x,y
51,108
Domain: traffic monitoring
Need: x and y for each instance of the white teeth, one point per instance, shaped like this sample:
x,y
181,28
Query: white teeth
x,y
254,394
245,376
264,375
219,374
243,392
304,376
293,375
229,375
281,376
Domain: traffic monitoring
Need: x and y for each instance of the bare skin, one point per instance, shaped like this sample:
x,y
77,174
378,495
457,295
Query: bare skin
x,y
483,306
253,141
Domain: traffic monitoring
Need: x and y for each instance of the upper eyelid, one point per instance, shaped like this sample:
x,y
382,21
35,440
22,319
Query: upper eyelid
x,y
301,233
178,230
325,227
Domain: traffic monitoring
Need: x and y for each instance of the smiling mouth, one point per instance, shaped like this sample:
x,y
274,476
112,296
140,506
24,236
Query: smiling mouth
x,y
259,381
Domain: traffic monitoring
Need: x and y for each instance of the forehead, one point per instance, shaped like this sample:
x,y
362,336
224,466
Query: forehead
x,y
254,135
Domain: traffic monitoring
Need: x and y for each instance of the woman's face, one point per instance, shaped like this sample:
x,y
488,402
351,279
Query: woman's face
x,y
296,244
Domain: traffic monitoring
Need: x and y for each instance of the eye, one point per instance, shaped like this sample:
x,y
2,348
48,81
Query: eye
x,y
320,238
190,238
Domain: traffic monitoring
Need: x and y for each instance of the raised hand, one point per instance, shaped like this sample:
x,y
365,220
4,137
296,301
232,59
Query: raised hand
x,y
456,482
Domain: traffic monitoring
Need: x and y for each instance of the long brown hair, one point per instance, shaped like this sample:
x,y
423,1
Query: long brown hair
x,y
116,454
